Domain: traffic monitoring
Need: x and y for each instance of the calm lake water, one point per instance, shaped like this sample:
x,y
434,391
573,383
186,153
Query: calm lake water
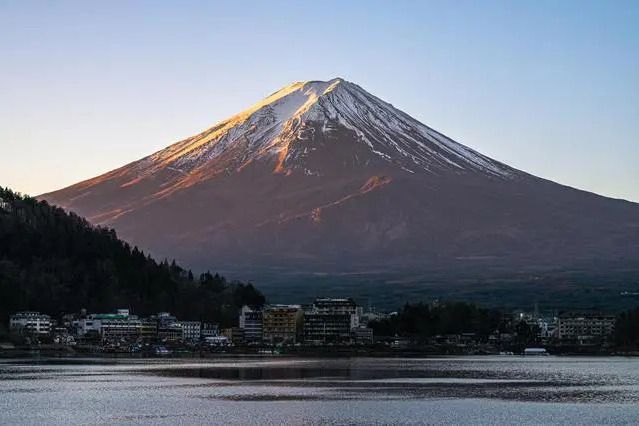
x,y
465,390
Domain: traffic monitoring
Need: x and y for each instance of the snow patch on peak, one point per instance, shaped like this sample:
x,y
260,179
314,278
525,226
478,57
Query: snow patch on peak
x,y
271,126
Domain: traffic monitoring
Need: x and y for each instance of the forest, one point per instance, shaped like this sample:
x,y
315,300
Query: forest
x,y
56,262
422,321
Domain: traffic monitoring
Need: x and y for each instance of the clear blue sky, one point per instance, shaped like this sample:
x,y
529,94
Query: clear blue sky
x,y
549,87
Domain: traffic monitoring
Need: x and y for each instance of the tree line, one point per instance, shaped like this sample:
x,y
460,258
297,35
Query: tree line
x,y
56,262
627,329
421,321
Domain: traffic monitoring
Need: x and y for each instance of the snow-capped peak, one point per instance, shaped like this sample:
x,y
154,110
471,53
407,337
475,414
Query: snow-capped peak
x,y
271,127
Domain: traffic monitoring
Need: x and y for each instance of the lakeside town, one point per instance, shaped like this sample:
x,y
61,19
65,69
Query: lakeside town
x,y
328,325
56,263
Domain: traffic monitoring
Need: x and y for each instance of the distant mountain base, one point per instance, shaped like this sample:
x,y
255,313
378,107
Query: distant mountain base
x,y
606,290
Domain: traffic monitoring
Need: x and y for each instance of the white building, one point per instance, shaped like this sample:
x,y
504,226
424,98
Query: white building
x,y
251,323
120,325
547,327
584,327
217,341
30,322
191,330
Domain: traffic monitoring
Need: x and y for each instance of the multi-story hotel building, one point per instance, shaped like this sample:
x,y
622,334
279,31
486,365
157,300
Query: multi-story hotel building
x,y
251,323
585,327
282,323
330,320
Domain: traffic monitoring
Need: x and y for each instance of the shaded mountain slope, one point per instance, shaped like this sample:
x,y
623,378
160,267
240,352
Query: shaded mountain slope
x,y
323,177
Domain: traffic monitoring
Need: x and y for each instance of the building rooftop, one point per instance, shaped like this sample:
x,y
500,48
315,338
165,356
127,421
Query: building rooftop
x,y
109,316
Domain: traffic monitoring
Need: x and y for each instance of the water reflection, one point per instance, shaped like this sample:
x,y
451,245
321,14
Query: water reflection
x,y
299,390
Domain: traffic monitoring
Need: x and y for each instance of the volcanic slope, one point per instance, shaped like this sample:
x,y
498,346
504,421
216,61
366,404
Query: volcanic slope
x,y
323,178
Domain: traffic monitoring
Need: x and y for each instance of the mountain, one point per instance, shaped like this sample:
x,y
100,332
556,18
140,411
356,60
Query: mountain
x,y
55,262
323,179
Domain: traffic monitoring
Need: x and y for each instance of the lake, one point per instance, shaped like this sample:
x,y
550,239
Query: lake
x,y
280,390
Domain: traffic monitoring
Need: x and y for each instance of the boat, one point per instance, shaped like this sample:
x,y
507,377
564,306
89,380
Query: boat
x,y
535,352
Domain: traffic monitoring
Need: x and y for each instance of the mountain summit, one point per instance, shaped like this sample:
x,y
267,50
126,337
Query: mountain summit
x,y
284,125
323,177
282,128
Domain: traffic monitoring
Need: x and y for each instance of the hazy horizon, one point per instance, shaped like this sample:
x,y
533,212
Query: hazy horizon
x,y
551,89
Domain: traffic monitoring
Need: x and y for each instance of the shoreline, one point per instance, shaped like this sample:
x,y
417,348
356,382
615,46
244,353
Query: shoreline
x,y
71,354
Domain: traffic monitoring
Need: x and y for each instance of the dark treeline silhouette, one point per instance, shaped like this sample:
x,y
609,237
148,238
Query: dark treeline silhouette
x,y
627,329
56,262
422,321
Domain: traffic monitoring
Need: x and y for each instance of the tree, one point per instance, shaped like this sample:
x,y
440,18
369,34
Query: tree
x,y
627,329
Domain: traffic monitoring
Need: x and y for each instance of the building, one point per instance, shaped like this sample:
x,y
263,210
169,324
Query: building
x,y
338,306
547,328
282,324
169,331
234,334
118,326
326,327
585,328
33,323
61,336
165,318
191,330
149,329
330,320
209,330
363,335
127,327
251,323
169,328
